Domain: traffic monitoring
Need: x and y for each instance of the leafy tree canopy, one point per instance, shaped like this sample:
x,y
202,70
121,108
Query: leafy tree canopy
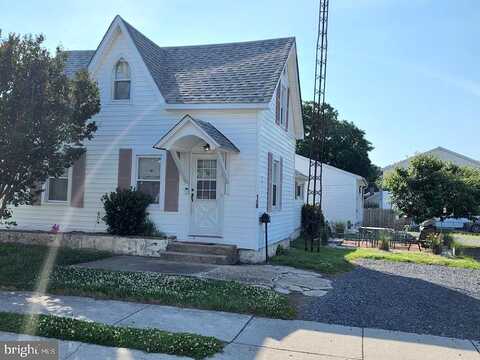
x,y
345,144
44,117
429,186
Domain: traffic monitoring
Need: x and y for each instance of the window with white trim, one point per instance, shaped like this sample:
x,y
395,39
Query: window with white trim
x,y
299,190
148,176
57,188
275,183
283,106
122,81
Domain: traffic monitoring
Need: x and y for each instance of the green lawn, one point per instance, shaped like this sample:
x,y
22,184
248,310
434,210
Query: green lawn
x,y
149,340
328,260
21,265
333,261
414,257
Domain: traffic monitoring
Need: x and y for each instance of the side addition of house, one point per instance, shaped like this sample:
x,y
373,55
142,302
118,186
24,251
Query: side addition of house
x,y
209,131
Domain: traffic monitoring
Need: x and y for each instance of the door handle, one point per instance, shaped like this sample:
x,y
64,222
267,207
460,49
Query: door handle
x,y
192,195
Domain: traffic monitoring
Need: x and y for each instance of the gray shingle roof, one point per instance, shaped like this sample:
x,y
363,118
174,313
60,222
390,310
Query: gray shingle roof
x,y
245,72
77,60
206,127
216,135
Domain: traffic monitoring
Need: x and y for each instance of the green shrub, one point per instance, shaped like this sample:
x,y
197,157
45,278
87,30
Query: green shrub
x,y
313,223
339,227
281,251
150,229
126,211
384,244
435,243
384,238
312,220
447,240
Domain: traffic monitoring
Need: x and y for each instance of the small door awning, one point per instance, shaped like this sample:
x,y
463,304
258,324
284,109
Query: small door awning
x,y
300,176
190,132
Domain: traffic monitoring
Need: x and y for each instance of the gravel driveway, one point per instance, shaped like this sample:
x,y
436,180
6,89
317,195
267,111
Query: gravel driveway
x,y
423,299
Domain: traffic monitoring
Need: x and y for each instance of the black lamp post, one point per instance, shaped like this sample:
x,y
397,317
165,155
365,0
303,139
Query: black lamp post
x,y
265,219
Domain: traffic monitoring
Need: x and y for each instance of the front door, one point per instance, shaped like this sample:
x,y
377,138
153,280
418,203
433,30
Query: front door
x,y
206,196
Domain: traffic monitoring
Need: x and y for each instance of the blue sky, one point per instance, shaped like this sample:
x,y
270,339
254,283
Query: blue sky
x,y
405,71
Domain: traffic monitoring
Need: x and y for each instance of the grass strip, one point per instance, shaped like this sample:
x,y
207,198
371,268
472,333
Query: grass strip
x,y
333,260
20,266
422,258
173,290
327,260
149,340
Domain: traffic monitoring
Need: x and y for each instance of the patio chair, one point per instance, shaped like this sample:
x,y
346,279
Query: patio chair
x,y
421,240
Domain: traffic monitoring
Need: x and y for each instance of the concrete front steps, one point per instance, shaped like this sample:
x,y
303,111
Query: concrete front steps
x,y
192,252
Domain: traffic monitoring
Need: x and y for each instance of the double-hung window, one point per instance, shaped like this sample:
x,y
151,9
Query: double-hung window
x,y
275,183
57,190
283,107
121,83
148,176
299,190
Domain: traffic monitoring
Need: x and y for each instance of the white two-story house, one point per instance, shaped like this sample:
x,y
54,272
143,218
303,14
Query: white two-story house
x,y
209,131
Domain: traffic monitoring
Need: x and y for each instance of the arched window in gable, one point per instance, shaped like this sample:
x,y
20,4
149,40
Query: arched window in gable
x,y
122,81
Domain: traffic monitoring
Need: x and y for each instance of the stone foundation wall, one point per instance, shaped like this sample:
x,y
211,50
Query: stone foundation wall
x,y
254,257
80,240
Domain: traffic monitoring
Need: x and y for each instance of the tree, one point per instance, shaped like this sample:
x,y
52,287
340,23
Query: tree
x,y
44,117
430,186
345,144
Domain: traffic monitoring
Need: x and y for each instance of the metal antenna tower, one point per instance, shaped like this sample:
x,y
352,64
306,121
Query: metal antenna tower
x,y
319,126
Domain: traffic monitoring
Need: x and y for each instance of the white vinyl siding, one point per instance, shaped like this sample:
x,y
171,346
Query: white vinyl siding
x,y
274,139
139,124
342,194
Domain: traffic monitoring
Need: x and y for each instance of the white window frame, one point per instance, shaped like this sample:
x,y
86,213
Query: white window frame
x,y
300,184
283,105
146,153
69,189
275,184
114,80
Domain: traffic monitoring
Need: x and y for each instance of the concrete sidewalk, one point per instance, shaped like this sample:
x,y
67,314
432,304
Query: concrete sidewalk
x,y
248,337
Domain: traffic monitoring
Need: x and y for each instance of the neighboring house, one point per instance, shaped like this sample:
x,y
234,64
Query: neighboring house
x,y
342,192
382,199
440,153
209,131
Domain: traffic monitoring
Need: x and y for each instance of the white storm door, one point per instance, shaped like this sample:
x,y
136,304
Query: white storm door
x,y
205,196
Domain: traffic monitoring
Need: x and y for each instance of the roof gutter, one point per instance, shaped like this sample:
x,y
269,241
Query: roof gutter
x,y
217,106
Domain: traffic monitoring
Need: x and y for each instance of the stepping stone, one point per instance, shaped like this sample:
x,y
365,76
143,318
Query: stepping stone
x,y
315,293
311,282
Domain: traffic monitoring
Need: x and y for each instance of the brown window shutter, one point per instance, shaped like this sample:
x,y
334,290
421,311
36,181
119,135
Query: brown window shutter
x,y
36,195
78,181
277,105
288,108
269,182
124,169
172,181
280,186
